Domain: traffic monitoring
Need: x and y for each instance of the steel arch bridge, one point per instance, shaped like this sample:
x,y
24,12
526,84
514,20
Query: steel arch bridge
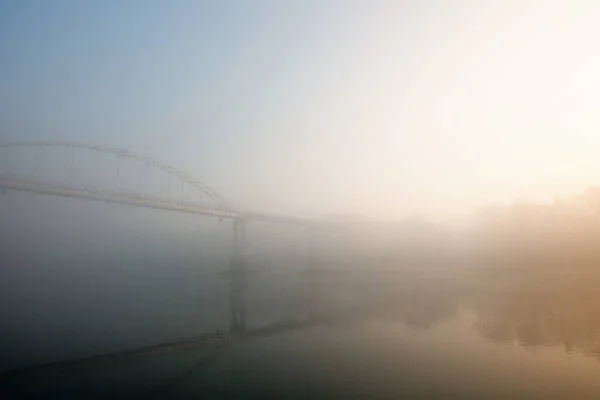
x,y
116,175
110,175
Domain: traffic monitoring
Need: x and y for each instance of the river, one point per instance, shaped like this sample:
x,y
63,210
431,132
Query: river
x,y
395,333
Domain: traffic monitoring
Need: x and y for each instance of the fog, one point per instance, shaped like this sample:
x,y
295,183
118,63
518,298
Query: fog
x,y
385,110
439,159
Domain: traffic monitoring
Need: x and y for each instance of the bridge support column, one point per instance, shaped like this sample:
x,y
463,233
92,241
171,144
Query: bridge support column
x,y
313,280
239,277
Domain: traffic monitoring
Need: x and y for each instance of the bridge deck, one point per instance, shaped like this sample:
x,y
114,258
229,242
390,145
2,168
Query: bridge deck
x,y
128,199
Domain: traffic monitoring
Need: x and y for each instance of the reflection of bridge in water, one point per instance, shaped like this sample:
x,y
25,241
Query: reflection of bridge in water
x,y
156,371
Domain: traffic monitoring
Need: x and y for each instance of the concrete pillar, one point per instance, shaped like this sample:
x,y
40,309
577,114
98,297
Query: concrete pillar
x,y
313,278
238,269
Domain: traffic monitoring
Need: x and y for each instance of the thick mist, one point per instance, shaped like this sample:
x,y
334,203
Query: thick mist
x,y
367,198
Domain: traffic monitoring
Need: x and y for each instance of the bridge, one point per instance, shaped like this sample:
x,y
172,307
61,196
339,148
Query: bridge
x,y
114,175
121,176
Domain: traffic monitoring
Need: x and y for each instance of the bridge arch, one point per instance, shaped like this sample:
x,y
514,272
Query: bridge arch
x,y
125,153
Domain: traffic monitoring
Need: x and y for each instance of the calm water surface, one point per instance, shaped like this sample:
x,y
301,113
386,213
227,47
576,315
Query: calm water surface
x,y
389,360
525,334
532,336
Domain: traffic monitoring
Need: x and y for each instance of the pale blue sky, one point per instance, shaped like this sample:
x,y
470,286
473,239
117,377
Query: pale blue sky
x,y
376,107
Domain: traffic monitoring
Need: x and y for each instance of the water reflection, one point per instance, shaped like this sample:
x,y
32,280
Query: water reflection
x,y
408,331
529,308
544,310
418,335
419,303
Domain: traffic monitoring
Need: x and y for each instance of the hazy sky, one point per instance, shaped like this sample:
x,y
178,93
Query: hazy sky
x,y
378,107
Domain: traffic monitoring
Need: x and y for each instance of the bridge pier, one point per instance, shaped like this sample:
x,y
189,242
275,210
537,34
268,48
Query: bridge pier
x,y
238,282
313,280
